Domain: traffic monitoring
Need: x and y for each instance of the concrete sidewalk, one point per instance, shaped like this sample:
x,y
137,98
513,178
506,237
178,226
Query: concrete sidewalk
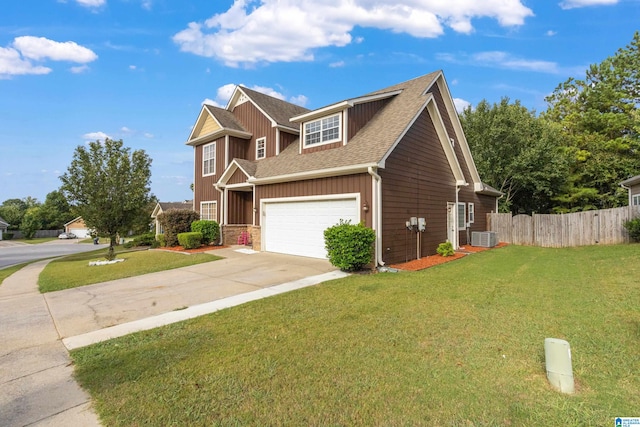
x,y
35,371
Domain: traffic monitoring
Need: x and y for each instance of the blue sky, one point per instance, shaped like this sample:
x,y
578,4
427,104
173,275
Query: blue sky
x,y
139,70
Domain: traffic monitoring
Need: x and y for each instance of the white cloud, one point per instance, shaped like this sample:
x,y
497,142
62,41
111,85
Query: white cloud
x,y
300,100
337,64
500,59
11,64
551,33
91,3
125,129
148,135
147,4
289,30
95,136
224,94
573,4
39,48
460,104
132,67
79,69
209,101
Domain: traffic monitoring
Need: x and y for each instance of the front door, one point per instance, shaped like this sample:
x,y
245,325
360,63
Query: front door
x,y
452,234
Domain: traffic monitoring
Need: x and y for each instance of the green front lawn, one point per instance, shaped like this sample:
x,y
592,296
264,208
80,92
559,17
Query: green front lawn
x,y
74,270
460,344
8,271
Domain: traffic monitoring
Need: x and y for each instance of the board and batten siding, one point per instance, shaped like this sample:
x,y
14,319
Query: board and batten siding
x,y
347,184
260,126
203,189
417,181
359,115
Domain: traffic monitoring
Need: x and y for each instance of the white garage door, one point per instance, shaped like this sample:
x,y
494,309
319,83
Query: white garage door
x,y
297,228
80,232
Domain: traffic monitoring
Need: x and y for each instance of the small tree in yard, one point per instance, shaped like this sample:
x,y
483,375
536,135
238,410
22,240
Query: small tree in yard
x,y
109,187
176,221
349,246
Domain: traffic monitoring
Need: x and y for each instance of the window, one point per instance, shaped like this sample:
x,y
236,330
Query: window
x,y
462,225
261,148
209,211
635,200
472,213
209,159
322,131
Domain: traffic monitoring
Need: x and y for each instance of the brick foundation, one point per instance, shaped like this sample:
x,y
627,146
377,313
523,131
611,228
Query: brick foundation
x,y
231,233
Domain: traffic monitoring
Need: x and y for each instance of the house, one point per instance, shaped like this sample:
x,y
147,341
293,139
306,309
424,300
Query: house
x,y
165,206
632,185
4,225
396,159
77,227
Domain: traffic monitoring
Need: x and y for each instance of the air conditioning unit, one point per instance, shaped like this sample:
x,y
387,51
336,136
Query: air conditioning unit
x,y
485,239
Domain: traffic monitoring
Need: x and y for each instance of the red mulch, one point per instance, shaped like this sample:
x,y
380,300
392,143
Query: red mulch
x,y
431,260
203,248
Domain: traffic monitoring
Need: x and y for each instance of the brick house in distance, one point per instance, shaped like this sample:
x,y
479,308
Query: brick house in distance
x,y
396,159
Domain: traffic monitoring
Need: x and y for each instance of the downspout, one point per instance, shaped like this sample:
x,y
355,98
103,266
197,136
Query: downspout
x,y
377,214
457,228
628,192
222,208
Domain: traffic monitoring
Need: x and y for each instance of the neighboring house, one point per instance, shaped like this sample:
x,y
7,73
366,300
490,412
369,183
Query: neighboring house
x,y
77,227
284,173
4,225
632,185
165,206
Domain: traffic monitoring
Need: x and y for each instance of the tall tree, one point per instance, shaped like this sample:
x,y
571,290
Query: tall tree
x,y
13,210
109,186
31,222
517,153
600,117
56,211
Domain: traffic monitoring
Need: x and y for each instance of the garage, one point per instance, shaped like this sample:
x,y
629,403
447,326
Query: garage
x,y
296,227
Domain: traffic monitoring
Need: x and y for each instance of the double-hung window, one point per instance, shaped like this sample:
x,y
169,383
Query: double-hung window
x,y
462,215
472,213
209,159
322,131
635,200
209,211
261,148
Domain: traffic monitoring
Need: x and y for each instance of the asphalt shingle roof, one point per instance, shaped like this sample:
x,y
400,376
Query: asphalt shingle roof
x,y
279,110
187,204
226,118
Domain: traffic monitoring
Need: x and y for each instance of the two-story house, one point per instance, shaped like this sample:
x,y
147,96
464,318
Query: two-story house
x,y
396,159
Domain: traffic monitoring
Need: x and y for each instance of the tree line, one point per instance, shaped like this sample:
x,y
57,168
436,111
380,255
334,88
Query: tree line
x,y
573,156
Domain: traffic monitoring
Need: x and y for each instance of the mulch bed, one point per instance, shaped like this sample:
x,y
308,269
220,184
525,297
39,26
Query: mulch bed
x,y
203,248
431,260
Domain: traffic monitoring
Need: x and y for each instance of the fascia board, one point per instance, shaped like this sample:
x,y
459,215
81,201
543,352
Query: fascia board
x,y
445,141
195,126
321,173
231,169
235,97
330,109
217,134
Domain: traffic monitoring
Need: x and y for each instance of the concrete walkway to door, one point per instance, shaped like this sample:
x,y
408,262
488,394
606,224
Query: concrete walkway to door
x,y
35,368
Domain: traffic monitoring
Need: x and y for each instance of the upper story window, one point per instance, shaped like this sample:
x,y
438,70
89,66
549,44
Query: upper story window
x,y
322,131
261,148
209,159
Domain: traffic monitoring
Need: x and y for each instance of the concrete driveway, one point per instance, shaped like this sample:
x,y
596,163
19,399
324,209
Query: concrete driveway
x,y
36,374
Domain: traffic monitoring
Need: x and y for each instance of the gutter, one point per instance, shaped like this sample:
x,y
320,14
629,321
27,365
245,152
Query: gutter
x,y
377,214
628,192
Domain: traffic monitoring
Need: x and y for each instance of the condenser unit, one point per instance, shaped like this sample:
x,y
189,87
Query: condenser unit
x,y
485,239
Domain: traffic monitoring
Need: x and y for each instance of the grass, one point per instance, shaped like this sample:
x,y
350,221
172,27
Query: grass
x,y
74,270
8,271
36,240
460,344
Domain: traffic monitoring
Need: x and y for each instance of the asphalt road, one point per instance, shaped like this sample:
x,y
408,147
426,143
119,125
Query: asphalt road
x,y
12,253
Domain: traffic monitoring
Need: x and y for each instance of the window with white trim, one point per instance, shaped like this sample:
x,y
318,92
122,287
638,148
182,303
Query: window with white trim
x,y
462,215
635,200
261,148
209,211
209,159
472,213
322,131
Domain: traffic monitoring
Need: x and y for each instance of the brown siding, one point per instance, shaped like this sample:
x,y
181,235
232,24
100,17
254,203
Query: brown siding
x,y
238,177
360,183
204,190
240,207
287,139
359,115
260,126
313,149
417,181
635,189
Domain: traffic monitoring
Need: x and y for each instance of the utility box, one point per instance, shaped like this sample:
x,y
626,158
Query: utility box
x,y
484,239
557,354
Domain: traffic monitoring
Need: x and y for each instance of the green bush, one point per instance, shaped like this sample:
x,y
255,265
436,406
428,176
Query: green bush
x,y
633,227
210,230
190,240
445,249
7,236
161,240
349,247
148,239
175,221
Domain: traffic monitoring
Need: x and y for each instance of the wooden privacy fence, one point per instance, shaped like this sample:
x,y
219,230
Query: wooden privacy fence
x,y
557,231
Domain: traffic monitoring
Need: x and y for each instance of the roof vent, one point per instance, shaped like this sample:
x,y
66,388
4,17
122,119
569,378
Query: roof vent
x,y
485,239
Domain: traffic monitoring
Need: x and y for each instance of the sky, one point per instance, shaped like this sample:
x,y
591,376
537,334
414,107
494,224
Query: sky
x,y
74,71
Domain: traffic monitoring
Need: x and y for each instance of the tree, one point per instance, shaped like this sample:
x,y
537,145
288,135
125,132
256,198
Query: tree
x,y
13,210
517,153
56,211
600,117
109,186
31,222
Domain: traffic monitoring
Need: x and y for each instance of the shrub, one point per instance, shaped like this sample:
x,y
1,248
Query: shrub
x,y
175,221
210,230
161,240
190,240
445,249
148,239
7,236
633,227
350,247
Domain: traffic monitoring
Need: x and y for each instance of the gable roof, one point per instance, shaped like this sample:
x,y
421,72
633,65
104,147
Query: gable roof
x,y
634,180
225,124
2,221
277,110
165,206
76,219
